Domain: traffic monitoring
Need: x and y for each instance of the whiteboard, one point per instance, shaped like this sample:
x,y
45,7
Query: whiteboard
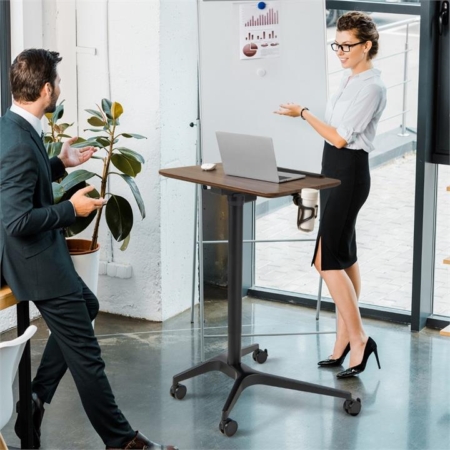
x,y
234,98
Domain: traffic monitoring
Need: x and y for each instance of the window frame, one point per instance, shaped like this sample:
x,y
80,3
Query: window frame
x,y
424,239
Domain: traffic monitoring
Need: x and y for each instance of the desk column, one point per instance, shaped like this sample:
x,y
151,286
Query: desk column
x,y
235,244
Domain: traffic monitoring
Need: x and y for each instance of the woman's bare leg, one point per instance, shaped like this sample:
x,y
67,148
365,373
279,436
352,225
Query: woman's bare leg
x,y
344,289
355,277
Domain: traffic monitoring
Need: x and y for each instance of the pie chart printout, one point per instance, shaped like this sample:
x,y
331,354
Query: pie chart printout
x,y
250,50
259,31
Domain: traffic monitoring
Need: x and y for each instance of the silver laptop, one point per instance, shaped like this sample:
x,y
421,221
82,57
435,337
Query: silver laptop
x,y
253,157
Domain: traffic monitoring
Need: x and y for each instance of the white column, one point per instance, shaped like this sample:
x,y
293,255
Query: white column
x,y
26,25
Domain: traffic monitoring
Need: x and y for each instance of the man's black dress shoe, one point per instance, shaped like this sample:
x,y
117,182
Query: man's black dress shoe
x,y
37,413
140,441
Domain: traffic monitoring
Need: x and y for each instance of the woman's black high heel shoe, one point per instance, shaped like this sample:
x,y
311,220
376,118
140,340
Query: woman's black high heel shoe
x,y
371,347
330,362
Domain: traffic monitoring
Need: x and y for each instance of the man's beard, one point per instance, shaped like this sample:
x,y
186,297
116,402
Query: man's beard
x,y
52,106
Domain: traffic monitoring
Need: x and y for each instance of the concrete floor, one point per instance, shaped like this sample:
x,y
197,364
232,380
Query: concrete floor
x,y
405,405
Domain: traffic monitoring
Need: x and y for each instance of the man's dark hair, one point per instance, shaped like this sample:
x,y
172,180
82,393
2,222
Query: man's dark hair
x,y
30,71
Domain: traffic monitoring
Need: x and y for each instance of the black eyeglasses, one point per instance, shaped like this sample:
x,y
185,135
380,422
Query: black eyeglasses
x,y
345,47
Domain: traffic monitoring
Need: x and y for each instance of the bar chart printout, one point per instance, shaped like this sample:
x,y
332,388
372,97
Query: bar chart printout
x,y
259,31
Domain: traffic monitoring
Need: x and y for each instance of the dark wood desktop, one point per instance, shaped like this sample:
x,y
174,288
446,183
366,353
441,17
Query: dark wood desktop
x,y
217,178
240,191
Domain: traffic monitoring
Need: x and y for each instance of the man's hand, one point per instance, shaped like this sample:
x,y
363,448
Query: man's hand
x,y
72,157
83,204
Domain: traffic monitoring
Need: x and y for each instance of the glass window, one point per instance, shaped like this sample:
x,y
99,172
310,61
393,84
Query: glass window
x,y
386,222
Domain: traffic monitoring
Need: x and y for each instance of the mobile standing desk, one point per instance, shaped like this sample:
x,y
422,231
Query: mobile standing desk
x,y
240,191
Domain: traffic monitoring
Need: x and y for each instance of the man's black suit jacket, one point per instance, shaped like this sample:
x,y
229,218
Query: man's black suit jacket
x,y
34,258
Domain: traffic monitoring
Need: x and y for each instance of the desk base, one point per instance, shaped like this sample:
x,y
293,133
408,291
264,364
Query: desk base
x,y
229,363
245,377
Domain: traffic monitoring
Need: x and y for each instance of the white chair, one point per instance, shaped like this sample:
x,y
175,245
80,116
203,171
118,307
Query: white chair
x,y
10,354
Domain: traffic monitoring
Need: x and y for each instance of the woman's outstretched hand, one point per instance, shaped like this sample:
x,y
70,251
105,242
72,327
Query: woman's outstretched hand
x,y
289,109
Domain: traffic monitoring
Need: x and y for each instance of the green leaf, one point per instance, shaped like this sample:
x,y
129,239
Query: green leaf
x,y
135,191
96,122
95,130
126,165
125,243
63,126
119,217
63,135
87,143
81,223
58,192
94,193
131,154
75,177
106,106
103,141
133,135
94,113
53,149
116,110
112,123
58,113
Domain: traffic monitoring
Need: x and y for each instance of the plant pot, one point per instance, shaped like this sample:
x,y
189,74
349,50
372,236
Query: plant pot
x,y
86,261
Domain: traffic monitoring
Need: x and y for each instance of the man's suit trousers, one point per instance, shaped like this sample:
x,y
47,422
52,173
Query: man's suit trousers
x,y
72,343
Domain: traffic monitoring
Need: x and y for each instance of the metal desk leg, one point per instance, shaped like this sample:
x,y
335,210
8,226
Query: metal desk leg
x,y
23,322
235,245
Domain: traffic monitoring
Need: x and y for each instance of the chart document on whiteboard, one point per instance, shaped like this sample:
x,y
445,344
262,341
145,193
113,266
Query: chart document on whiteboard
x,y
259,30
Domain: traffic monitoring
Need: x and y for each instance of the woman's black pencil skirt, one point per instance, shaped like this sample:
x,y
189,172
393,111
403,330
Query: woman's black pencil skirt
x,y
339,206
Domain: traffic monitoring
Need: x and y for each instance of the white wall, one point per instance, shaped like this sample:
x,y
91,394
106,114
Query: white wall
x,y
149,67
26,25
125,36
178,107
146,59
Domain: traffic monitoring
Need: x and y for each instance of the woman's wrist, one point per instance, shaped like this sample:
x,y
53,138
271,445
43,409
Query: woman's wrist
x,y
302,111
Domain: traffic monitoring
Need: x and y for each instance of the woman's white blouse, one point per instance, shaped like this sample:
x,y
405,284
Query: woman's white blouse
x,y
357,107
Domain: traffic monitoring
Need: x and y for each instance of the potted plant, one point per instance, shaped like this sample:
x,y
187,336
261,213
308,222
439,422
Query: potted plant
x,y
63,189
117,161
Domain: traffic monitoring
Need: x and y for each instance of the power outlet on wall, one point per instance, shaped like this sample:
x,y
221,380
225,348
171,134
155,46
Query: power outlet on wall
x,y
115,270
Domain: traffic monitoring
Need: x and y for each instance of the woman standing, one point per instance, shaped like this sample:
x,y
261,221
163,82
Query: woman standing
x,y
349,130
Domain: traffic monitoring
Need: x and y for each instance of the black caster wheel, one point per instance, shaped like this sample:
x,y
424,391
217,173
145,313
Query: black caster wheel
x,y
260,356
228,427
178,391
352,407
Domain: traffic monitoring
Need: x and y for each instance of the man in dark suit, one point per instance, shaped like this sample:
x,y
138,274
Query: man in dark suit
x,y
34,258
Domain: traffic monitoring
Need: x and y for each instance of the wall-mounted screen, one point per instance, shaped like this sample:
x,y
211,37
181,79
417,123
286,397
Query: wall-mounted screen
x,y
441,153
